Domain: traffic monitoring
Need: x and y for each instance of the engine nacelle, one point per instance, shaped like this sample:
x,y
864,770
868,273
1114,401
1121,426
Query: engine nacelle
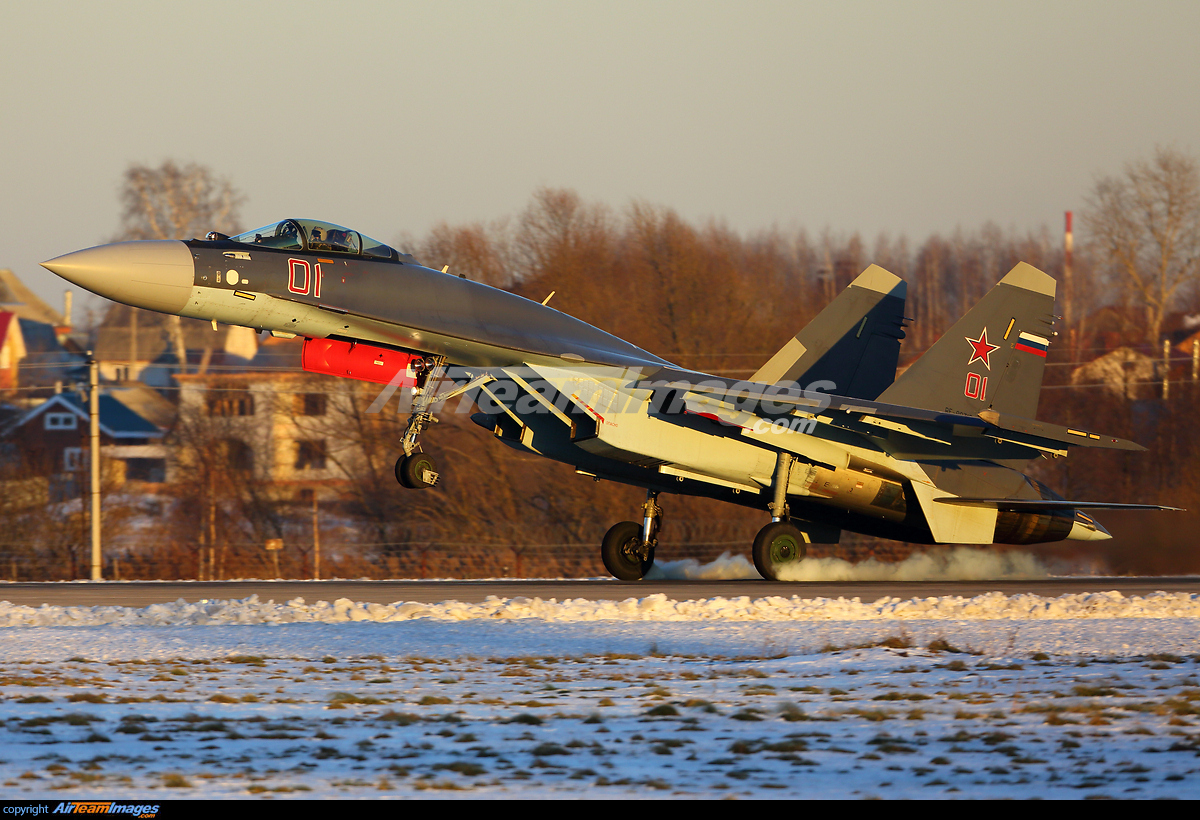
x,y
356,360
1033,528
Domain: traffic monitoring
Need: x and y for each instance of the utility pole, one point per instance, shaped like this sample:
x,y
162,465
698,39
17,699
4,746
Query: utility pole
x,y
1166,380
94,436
273,546
1068,291
316,541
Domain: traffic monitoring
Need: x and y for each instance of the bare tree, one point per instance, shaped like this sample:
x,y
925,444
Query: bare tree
x,y
1146,223
175,202
473,251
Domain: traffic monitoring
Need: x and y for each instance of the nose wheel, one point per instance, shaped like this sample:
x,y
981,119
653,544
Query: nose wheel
x,y
417,471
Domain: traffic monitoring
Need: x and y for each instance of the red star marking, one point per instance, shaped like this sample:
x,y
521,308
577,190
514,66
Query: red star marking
x,y
980,349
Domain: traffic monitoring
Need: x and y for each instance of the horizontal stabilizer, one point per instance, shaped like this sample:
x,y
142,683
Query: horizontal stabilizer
x,y
774,401
1048,505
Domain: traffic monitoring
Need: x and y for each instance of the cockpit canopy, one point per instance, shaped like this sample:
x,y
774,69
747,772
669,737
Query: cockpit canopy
x,y
311,235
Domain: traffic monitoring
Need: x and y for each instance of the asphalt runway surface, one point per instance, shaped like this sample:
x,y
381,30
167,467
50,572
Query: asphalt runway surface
x,y
145,593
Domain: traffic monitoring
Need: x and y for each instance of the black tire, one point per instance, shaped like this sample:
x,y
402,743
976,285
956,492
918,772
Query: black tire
x,y
621,550
411,470
777,545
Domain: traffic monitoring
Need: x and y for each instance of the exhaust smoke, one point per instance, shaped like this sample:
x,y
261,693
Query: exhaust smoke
x,y
951,564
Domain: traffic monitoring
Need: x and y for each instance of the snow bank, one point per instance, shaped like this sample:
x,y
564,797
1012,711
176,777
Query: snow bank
x,y
992,606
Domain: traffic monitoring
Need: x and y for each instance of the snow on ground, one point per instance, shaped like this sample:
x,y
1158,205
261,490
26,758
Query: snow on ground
x,y
995,696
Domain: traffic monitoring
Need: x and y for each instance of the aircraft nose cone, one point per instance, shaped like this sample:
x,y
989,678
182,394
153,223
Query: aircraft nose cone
x,y
155,274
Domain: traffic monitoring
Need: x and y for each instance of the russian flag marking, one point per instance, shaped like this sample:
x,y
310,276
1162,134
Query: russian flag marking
x,y
1029,343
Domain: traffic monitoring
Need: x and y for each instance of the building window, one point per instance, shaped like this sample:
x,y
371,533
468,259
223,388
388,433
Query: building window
x,y
310,455
153,470
61,421
236,455
73,459
309,404
235,401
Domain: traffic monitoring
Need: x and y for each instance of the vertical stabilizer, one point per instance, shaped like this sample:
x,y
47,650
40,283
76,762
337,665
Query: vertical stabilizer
x,y
854,342
994,356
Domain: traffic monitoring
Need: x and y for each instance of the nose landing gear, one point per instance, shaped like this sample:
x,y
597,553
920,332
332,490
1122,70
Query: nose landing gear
x,y
416,470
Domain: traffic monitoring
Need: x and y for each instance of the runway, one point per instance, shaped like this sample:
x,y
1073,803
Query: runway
x,y
145,593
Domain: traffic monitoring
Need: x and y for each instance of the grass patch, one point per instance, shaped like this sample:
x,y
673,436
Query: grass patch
x,y
548,750
525,718
87,697
399,718
349,697
663,710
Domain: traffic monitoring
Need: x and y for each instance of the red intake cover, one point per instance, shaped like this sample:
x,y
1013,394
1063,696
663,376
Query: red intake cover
x,y
359,361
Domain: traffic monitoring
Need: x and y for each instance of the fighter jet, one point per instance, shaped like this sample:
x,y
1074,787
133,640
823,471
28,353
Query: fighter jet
x,y
823,438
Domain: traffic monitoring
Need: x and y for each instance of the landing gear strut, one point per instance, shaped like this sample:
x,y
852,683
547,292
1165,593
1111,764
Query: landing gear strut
x,y
781,542
628,547
414,469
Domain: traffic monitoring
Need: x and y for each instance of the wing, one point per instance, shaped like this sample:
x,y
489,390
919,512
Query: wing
x,y
1047,505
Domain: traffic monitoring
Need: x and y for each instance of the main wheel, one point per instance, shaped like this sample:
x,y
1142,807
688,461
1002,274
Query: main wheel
x,y
621,551
776,546
416,471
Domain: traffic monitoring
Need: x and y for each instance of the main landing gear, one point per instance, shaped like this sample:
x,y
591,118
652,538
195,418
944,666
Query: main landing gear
x,y
778,545
628,547
781,542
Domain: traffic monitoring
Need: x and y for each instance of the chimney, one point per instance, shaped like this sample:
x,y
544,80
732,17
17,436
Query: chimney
x,y
62,331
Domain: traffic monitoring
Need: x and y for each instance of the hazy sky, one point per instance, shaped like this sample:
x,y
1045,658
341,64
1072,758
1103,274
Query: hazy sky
x,y
388,117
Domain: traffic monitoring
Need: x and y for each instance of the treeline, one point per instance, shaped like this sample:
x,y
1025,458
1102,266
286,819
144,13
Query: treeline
x,y
706,297
710,299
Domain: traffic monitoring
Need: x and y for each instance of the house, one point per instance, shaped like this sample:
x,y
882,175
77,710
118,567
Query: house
x,y
12,349
15,297
1124,372
277,424
138,345
53,353
49,364
52,440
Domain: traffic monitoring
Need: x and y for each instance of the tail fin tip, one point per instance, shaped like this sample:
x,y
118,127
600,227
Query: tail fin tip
x,y
1028,277
881,281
